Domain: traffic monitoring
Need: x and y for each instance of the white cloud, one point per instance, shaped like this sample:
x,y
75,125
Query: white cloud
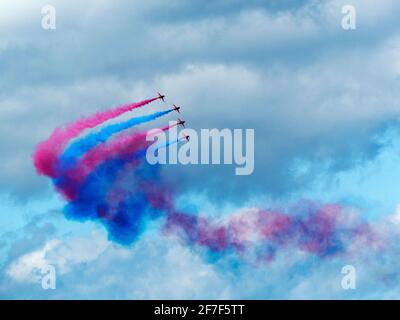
x,y
64,255
159,267
28,267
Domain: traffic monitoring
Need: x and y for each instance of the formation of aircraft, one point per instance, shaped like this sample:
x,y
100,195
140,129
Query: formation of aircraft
x,y
177,109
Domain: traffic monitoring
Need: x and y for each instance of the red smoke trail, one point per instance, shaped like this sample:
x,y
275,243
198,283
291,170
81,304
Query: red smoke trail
x,y
323,230
156,195
46,154
122,146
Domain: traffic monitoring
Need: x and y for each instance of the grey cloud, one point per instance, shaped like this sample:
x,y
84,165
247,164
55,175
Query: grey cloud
x,y
112,272
278,69
91,42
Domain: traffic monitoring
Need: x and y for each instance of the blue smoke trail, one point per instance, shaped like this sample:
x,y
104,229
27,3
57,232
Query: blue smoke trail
x,y
127,220
78,148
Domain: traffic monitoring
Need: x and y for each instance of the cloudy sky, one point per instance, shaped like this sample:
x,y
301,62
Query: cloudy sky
x,y
323,101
